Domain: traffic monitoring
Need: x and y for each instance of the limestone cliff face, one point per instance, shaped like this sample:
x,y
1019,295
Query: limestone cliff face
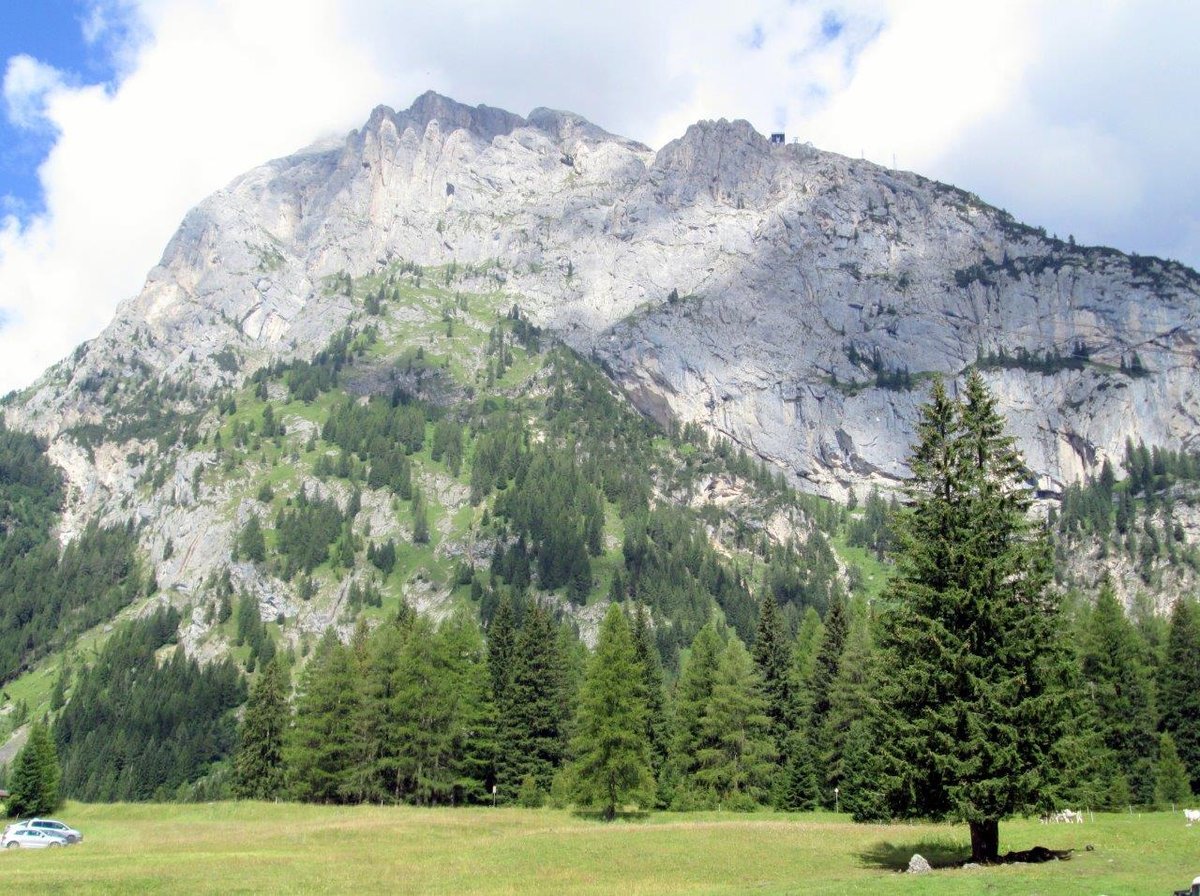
x,y
764,291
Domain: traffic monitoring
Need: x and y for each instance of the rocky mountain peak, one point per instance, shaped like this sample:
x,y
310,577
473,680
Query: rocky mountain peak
x,y
793,301
484,122
725,160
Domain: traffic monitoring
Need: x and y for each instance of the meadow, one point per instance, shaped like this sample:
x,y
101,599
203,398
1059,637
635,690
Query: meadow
x,y
282,848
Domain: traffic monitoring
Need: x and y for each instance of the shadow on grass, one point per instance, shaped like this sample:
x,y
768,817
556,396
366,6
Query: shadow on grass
x,y
948,854
598,815
895,856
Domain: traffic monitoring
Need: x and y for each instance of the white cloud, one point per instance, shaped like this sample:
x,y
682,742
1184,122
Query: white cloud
x,y
1075,115
27,85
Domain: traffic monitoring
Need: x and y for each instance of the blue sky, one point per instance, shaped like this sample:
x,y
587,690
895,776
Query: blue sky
x,y
50,31
120,115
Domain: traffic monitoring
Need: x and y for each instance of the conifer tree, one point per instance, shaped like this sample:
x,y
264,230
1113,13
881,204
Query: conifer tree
x,y
420,515
33,784
611,748
773,659
1171,784
693,692
426,716
252,545
973,701
800,788
379,740
851,701
501,648
474,725
321,753
258,772
735,755
532,728
1179,687
804,651
828,659
650,667
58,696
1118,683
825,672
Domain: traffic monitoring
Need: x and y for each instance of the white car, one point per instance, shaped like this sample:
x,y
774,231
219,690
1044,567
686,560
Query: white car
x,y
29,838
50,826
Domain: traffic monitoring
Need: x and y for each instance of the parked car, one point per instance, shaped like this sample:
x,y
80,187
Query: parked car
x,y
29,838
50,826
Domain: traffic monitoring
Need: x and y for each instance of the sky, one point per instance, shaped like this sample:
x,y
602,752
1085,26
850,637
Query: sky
x,y
117,116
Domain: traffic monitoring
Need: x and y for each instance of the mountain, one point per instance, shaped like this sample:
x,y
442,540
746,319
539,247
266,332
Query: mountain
x,y
464,360
791,300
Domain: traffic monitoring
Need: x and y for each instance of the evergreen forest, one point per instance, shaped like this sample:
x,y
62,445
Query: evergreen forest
x,y
528,595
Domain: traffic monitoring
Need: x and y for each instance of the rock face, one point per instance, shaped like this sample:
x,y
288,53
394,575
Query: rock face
x,y
792,300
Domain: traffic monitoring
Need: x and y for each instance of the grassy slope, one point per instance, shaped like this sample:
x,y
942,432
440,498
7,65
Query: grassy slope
x,y
260,848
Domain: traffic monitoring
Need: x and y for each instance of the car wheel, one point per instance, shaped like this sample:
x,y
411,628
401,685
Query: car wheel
x,y
13,845
72,839
54,845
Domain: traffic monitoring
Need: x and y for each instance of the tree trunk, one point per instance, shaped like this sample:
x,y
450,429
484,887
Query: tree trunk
x,y
985,841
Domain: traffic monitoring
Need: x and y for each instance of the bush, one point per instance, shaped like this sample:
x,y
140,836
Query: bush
x,y
530,796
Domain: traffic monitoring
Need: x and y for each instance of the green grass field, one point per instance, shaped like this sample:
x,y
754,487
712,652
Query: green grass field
x,y
262,848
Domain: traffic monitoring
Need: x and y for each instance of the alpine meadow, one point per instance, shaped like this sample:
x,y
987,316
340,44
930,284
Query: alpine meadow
x,y
488,503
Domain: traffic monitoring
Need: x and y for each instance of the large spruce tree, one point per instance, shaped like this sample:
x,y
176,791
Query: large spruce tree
x,y
974,702
611,746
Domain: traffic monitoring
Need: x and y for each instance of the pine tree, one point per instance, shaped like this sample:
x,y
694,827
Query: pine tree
x,y
321,752
825,672
532,728
1118,683
773,660
772,657
611,748
973,701
252,545
425,716
380,742
501,648
800,790
58,697
1179,687
33,784
851,702
258,772
474,726
420,515
650,667
693,692
735,754
1171,785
